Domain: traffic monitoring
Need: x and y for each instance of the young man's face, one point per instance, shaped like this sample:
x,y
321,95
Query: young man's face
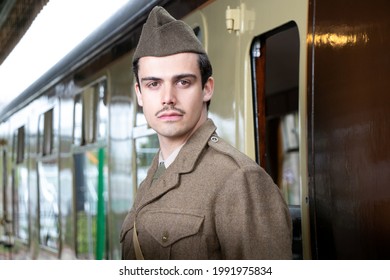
x,y
170,92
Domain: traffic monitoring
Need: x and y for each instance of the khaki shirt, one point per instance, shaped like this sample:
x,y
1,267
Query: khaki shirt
x,y
213,202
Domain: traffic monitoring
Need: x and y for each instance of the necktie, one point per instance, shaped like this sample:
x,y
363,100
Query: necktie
x,y
160,170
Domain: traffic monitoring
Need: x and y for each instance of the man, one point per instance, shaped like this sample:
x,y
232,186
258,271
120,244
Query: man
x,y
209,201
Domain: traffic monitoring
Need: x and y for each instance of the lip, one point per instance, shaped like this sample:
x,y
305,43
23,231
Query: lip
x,y
170,116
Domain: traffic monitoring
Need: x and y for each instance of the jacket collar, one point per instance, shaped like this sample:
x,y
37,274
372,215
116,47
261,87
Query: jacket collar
x,y
189,154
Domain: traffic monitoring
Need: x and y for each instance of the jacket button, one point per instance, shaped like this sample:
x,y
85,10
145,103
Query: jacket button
x,y
165,237
214,139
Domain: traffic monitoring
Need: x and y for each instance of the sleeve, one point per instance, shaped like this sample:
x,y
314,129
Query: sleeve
x,y
252,218
126,236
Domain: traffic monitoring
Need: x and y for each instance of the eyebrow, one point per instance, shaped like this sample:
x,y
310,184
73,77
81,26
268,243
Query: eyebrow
x,y
176,77
185,75
150,79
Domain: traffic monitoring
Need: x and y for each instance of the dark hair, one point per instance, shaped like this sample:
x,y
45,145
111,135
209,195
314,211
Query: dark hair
x,y
206,70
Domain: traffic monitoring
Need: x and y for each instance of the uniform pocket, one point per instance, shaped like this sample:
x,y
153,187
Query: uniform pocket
x,y
168,227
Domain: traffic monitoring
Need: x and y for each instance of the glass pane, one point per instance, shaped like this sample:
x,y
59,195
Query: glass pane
x,y
91,115
3,170
102,111
66,179
48,204
48,133
121,176
140,117
90,103
121,173
21,207
19,192
77,122
20,145
290,159
146,149
40,135
89,215
8,209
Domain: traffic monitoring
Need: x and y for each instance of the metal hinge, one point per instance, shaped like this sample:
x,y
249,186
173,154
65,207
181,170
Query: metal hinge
x,y
233,20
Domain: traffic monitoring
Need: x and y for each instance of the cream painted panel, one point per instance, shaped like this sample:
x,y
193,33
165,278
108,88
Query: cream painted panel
x,y
232,104
222,49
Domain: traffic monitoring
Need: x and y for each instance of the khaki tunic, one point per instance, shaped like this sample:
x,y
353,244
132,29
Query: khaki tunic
x,y
212,202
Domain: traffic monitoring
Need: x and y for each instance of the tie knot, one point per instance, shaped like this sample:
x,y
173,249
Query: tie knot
x,y
160,170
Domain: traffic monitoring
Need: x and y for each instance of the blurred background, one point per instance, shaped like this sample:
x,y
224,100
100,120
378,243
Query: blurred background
x,y
58,27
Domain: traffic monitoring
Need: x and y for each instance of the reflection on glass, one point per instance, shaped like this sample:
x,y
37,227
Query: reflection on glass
x,y
3,174
88,176
48,204
140,117
121,192
290,159
146,149
77,121
66,181
21,210
102,111
90,115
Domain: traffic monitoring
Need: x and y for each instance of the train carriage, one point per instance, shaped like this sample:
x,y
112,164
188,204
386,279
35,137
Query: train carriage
x,y
301,88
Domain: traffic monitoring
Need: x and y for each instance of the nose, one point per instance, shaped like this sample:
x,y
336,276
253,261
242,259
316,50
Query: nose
x,y
168,95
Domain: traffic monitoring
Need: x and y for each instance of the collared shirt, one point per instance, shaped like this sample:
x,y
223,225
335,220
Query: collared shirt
x,y
167,162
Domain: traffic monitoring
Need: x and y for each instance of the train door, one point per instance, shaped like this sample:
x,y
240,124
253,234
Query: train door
x,y
90,171
275,79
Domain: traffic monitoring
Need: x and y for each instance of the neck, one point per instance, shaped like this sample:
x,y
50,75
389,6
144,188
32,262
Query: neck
x,y
169,144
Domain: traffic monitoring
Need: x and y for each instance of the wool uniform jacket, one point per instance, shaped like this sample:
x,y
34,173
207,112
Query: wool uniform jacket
x,y
212,202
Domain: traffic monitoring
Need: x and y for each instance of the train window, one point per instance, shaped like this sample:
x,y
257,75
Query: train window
x,y
90,115
48,133
102,124
90,106
18,147
77,121
140,119
90,126
198,33
48,203
45,133
90,176
19,186
146,147
6,232
275,73
3,189
4,182
48,185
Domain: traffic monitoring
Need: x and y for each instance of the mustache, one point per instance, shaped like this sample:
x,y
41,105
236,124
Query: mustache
x,y
170,108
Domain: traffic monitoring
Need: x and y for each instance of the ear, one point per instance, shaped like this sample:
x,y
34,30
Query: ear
x,y
208,89
139,94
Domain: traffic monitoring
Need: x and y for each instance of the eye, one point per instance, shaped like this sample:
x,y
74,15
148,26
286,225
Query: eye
x,y
152,84
183,83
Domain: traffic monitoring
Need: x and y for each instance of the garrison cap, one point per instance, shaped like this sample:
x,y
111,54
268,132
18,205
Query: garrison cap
x,y
163,35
